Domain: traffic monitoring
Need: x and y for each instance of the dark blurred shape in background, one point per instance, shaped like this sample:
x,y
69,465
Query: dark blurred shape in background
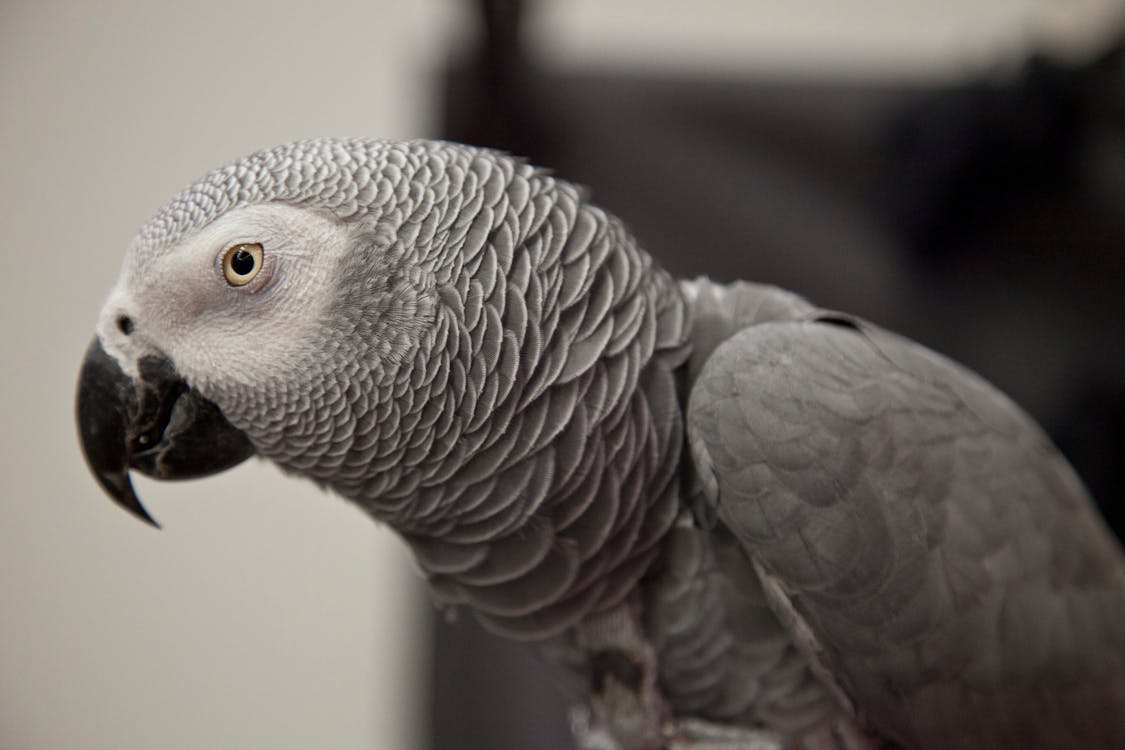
x,y
985,219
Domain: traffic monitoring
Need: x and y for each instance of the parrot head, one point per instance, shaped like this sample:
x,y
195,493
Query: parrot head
x,y
269,309
446,336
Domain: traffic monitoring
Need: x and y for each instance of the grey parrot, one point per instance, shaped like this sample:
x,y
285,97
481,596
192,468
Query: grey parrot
x,y
732,519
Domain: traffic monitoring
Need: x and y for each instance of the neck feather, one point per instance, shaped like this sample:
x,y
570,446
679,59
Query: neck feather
x,y
537,429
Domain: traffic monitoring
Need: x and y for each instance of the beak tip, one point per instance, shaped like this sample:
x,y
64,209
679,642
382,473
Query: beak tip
x,y
102,410
140,512
143,515
119,486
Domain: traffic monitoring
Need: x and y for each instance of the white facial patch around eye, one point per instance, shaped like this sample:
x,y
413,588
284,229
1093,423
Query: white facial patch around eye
x,y
212,329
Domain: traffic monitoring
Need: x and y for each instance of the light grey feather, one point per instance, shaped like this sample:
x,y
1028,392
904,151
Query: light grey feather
x,y
947,561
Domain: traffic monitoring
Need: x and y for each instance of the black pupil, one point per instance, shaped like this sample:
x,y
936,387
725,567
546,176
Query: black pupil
x,y
242,262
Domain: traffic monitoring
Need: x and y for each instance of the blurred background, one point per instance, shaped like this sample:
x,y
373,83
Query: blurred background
x,y
953,170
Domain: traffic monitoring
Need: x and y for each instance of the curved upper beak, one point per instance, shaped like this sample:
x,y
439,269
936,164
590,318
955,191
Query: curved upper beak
x,y
155,424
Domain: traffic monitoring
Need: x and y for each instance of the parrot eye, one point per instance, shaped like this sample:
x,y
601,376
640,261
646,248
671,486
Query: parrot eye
x,y
242,262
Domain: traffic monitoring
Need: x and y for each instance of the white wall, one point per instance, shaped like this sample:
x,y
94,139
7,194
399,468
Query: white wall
x,y
265,614
918,38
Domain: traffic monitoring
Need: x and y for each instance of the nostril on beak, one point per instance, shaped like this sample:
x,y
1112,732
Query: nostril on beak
x,y
125,324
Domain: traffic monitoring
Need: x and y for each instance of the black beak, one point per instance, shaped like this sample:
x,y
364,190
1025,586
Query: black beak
x,y
155,424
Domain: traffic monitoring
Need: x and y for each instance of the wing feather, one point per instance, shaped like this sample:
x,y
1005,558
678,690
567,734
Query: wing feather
x,y
949,564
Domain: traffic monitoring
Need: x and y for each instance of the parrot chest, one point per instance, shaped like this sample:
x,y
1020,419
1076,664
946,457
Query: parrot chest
x,y
694,655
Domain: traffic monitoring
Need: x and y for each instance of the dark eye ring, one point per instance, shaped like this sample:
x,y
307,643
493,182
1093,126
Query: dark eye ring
x,y
242,262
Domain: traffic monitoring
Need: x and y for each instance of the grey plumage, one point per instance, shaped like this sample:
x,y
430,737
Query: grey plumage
x,y
942,552
705,502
